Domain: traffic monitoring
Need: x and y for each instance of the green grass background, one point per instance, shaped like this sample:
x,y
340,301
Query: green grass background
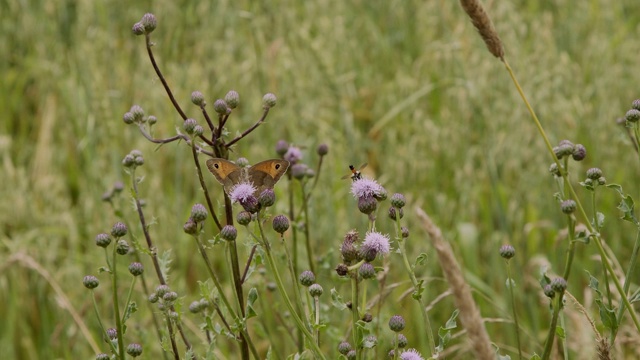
x,y
406,86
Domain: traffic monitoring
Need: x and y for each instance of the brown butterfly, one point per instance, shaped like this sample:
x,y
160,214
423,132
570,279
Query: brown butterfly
x,y
355,174
263,175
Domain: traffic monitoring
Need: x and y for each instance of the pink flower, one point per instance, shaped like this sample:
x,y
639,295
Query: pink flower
x,y
366,188
411,354
241,192
293,154
375,241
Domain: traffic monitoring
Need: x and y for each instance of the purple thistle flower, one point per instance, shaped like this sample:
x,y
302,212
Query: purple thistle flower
x,y
377,242
411,354
293,154
241,192
366,188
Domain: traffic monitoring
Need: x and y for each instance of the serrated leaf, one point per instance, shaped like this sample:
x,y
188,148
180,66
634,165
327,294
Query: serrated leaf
x,y
130,310
417,293
607,316
544,280
251,299
421,259
336,300
535,357
594,284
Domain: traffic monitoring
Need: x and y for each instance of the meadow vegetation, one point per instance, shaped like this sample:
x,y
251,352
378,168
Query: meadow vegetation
x,y
405,86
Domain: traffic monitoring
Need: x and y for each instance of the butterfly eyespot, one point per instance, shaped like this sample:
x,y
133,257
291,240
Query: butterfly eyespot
x,y
216,166
277,166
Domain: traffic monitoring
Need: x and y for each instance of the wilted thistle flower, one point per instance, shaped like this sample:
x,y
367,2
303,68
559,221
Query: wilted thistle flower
x,y
632,115
119,229
348,251
411,354
149,22
134,350
568,206
342,269
228,233
507,251
103,240
315,290
307,278
366,188
594,173
280,224
367,271
293,155
367,204
579,152
558,284
268,100
344,347
122,247
267,198
220,106
243,217
90,282
136,268
198,213
375,243
190,227
396,323
232,99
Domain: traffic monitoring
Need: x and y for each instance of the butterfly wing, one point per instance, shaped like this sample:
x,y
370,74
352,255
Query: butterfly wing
x,y
265,174
227,173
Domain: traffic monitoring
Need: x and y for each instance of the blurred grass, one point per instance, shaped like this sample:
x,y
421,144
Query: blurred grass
x,y
406,86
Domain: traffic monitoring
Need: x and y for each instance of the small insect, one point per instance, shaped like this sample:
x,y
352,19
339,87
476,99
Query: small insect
x,y
355,174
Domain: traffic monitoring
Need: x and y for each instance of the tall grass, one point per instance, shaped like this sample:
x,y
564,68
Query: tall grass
x,y
406,86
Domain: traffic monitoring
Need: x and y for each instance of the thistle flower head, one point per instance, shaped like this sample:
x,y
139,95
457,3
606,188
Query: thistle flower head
x,y
241,192
376,243
366,188
411,354
293,154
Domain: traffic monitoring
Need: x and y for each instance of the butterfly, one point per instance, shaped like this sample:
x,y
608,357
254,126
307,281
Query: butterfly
x,y
263,175
355,174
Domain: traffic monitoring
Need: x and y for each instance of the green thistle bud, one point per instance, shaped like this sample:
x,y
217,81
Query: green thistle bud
x,y
367,271
602,180
396,323
402,341
232,99
307,278
161,290
559,285
243,217
280,224
128,161
139,161
229,233
323,149
119,229
568,206
134,350
635,104
405,232
267,198
367,204
122,247
152,120
128,118
149,22
242,162
170,296
136,269
90,282
189,125
268,101
594,173
138,113
299,171
344,347
198,98
393,214
199,213
103,240
398,200
315,290
351,355
102,356
112,334
220,106
632,115
548,291
507,251
579,152
153,298
553,169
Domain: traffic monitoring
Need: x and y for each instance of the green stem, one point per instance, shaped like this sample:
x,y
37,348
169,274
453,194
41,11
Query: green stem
x,y
354,314
104,331
627,282
305,210
416,285
513,309
552,329
581,210
269,256
116,308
